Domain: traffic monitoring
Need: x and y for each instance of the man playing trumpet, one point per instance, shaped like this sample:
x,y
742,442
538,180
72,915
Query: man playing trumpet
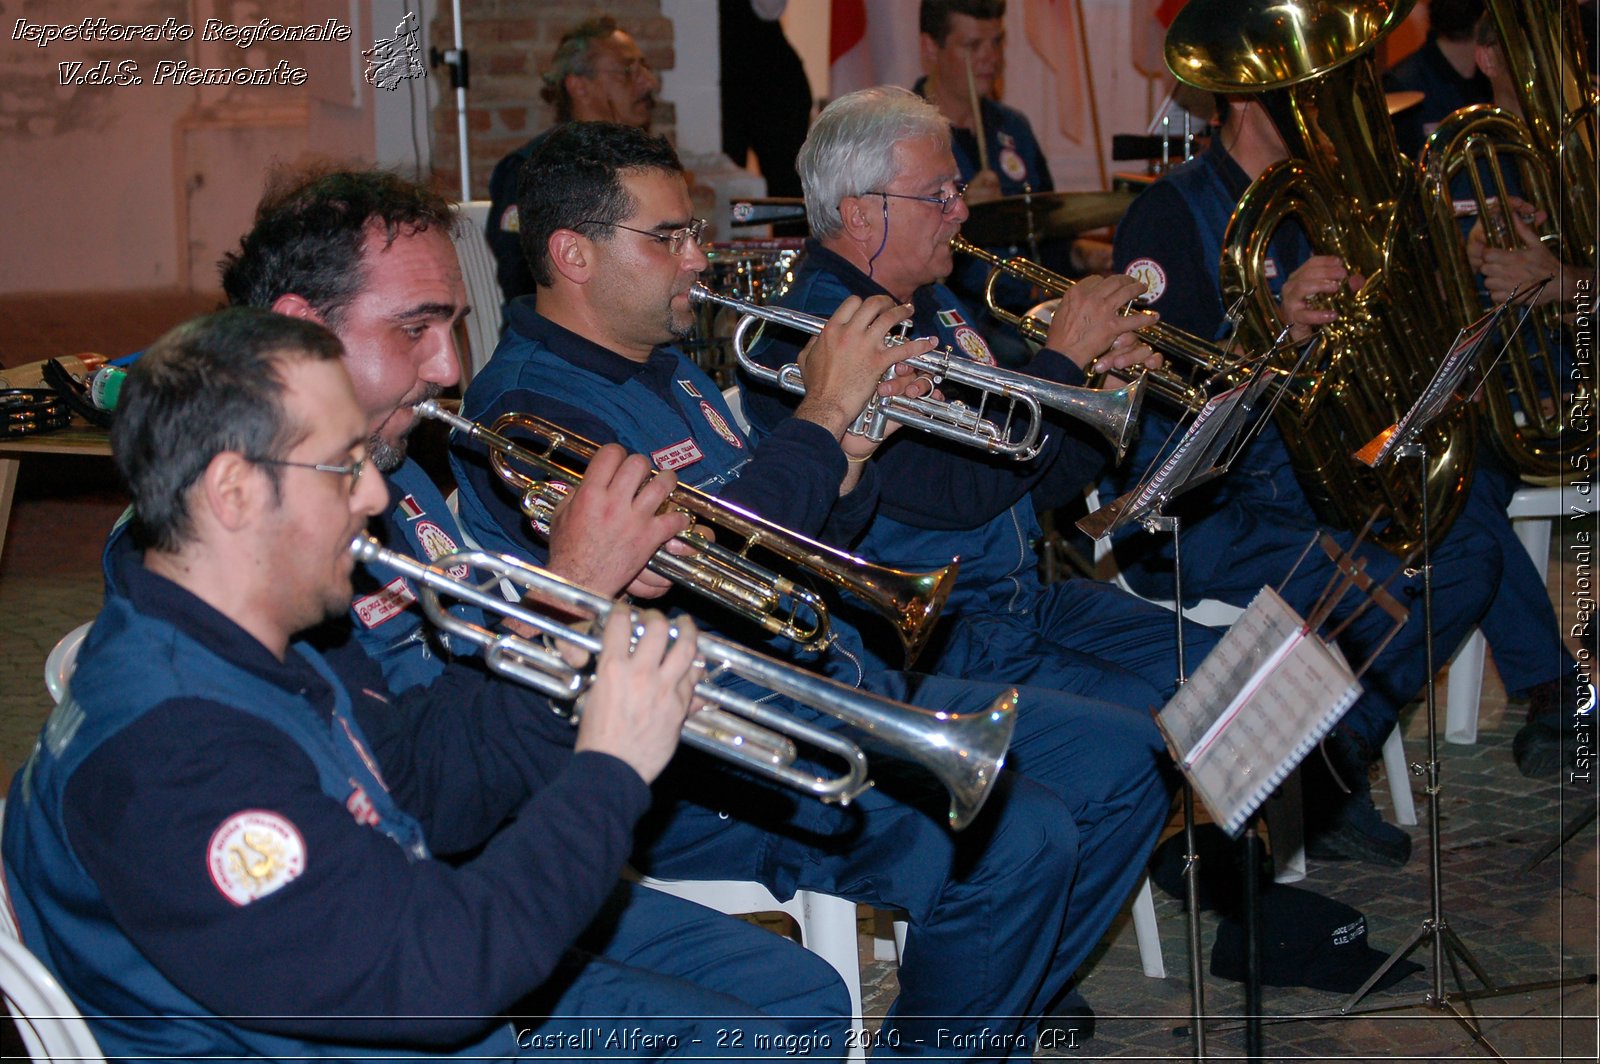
x,y
884,202
606,226
289,807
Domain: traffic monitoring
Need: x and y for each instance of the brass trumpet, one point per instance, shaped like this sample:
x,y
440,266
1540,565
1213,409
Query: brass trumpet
x,y
1113,414
911,601
1171,342
964,751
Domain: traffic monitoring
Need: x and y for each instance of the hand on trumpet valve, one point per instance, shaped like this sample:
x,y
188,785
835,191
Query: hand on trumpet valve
x,y
605,530
1512,258
1308,296
1090,318
643,690
900,380
845,364
1126,352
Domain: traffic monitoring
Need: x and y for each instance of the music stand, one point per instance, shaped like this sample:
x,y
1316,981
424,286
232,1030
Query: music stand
x,y
1218,433
1405,439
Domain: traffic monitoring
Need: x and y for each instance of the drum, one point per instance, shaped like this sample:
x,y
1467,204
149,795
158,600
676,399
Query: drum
x,y
752,270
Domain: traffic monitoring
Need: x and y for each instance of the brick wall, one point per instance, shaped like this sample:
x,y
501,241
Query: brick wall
x,y
510,43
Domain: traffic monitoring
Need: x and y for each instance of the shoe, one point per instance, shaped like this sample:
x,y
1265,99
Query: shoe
x,y
1068,1022
1537,748
1537,745
1341,823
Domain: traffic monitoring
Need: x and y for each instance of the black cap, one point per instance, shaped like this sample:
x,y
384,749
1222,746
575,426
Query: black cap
x,y
1306,940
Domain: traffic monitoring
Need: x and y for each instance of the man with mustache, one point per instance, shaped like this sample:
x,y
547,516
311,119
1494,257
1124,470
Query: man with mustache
x,y
608,231
598,74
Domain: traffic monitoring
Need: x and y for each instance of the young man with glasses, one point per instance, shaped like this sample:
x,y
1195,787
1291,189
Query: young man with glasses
x,y
1013,903
215,786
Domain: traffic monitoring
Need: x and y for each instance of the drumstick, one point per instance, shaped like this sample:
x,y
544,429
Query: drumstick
x,y
977,119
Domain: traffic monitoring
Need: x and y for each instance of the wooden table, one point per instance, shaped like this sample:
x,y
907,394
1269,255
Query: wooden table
x,y
81,441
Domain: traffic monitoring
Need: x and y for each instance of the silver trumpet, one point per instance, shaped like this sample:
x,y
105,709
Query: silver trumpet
x,y
964,751
1015,432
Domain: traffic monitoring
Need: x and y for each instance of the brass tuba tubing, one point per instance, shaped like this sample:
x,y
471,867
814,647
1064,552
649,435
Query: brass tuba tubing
x,y
1170,341
964,751
1496,153
1113,414
911,601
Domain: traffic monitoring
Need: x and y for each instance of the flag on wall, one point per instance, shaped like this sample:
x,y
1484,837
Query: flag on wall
x,y
1052,30
1148,24
872,44
1168,11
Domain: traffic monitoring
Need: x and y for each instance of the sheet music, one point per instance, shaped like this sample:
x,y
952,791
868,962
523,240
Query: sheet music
x,y
1192,462
1440,394
1258,704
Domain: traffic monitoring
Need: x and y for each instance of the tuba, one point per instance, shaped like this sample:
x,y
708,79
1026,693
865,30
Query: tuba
x,y
1492,151
965,751
1543,45
1548,158
1356,196
910,601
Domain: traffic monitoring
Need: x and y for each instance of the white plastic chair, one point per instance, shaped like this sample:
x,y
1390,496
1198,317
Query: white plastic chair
x,y
49,1023
1532,511
827,924
61,660
828,927
483,286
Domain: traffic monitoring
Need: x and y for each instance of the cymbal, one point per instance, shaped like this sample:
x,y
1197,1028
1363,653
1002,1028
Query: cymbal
x,y
1399,101
1006,221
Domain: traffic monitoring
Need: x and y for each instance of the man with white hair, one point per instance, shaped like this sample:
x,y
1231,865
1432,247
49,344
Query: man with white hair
x,y
884,199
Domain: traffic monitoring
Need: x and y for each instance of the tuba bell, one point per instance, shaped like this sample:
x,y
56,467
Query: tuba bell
x,y
1356,196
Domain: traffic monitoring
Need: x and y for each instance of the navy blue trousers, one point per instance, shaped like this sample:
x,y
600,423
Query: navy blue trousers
x,y
1255,538
1520,623
1001,914
656,976
1086,637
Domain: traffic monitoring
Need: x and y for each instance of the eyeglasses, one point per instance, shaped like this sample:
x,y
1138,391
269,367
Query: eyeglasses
x,y
628,71
674,241
353,470
946,201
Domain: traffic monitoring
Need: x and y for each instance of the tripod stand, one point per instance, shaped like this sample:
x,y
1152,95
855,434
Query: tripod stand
x,y
1435,928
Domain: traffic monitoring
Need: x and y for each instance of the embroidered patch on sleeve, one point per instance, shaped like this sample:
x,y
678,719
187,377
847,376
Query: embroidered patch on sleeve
x,y
677,455
720,425
384,604
973,345
437,543
1150,273
253,853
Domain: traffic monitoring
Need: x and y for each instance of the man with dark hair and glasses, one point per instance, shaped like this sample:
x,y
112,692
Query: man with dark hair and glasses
x,y
213,787
1014,902
598,74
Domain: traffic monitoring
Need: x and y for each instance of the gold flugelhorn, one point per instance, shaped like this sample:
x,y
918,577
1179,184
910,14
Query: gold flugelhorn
x,y
964,751
1174,343
911,601
1016,432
